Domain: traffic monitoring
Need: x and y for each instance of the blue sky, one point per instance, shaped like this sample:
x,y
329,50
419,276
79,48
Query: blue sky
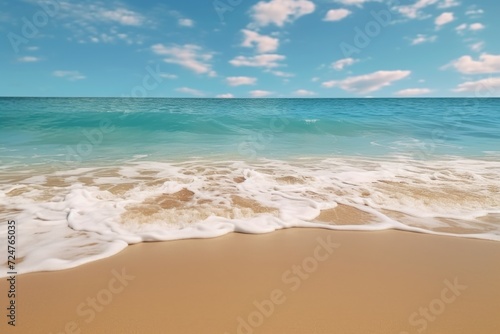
x,y
243,48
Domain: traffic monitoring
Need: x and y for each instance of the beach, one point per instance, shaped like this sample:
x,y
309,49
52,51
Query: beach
x,y
299,280
249,216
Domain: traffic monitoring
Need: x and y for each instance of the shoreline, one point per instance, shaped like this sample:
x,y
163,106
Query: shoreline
x,y
300,280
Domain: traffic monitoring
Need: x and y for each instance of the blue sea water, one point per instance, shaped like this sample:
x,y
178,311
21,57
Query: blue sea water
x,y
86,177
83,130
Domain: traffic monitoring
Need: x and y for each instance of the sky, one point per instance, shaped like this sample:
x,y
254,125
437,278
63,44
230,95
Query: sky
x,y
250,49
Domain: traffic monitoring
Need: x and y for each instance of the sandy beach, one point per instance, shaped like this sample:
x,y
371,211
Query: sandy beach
x,y
291,281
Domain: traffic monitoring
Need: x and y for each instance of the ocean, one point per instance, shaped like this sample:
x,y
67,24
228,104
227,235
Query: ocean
x,y
85,177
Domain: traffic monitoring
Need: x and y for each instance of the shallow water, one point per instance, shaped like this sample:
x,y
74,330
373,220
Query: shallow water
x,y
84,178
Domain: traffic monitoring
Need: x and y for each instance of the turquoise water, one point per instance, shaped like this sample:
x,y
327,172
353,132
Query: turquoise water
x,y
84,178
83,130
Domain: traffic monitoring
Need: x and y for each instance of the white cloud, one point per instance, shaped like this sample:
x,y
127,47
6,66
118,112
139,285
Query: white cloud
x,y
472,27
487,63
444,18
282,74
189,56
476,26
358,3
32,48
167,76
413,92
448,4
461,27
98,21
423,39
190,91
339,65
369,82
304,92
239,81
225,96
185,22
28,59
490,86
474,12
337,14
261,42
265,60
414,11
122,16
260,93
70,75
315,79
476,47
279,12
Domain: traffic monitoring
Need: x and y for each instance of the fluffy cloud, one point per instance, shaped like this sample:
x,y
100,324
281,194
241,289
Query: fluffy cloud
x,y
281,74
303,92
448,4
70,75
239,81
122,16
339,65
279,12
423,39
190,91
476,47
414,11
189,56
473,27
474,12
261,42
461,27
98,21
28,59
260,93
482,88
413,92
186,22
487,63
476,26
337,14
95,11
266,60
369,82
358,3
225,96
443,19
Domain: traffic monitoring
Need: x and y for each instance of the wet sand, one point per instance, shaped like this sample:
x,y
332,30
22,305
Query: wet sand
x,y
291,281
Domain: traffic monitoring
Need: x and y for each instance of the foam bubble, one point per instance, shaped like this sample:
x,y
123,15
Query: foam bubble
x,y
71,217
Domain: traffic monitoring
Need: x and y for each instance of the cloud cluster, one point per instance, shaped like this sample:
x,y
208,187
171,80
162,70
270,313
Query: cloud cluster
x,y
239,81
369,82
190,56
264,60
70,75
486,64
262,43
279,12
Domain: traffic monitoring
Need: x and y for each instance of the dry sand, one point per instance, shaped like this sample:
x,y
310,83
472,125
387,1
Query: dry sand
x,y
372,282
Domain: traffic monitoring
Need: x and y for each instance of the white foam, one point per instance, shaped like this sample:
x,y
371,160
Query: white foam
x,y
67,226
